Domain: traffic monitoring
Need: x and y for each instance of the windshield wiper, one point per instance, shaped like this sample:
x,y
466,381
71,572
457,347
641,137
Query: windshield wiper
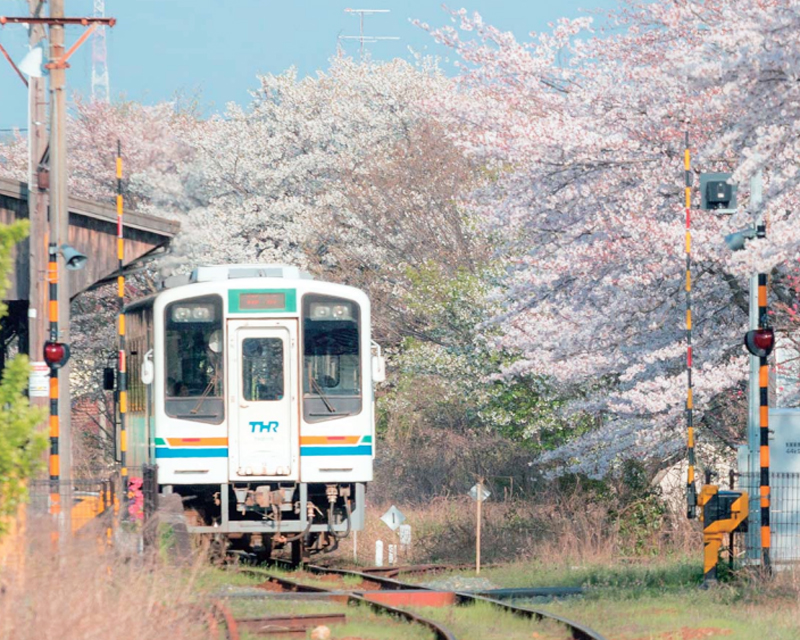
x,y
322,395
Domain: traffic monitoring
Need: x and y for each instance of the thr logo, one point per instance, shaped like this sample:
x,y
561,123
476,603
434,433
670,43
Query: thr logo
x,y
260,427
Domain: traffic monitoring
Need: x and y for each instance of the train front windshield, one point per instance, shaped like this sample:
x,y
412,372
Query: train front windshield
x,y
331,358
194,357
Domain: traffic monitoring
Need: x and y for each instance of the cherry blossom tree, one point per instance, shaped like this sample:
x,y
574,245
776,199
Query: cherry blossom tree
x,y
585,135
524,219
402,228
276,171
14,157
155,149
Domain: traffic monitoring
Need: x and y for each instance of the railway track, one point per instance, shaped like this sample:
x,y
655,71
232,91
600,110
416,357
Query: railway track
x,y
300,623
221,623
390,596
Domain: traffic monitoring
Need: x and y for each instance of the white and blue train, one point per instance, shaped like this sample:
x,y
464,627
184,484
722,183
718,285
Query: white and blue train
x,y
251,388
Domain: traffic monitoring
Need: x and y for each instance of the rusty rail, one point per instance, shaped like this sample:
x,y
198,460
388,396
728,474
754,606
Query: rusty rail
x,y
288,624
221,615
577,630
440,631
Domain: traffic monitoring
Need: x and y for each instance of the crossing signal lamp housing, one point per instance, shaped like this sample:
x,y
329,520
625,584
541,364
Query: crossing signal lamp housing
x,y
56,354
717,193
760,342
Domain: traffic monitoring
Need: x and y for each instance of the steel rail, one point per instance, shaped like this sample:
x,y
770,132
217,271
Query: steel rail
x,y
527,592
220,613
413,569
289,585
387,583
579,631
440,631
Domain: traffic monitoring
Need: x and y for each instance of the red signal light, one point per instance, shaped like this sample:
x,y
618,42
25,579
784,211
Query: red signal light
x,y
760,342
56,354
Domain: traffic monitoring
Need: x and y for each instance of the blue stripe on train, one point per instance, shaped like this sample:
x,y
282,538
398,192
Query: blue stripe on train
x,y
191,452
360,450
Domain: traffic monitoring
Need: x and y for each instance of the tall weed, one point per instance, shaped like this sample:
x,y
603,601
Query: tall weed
x,y
76,590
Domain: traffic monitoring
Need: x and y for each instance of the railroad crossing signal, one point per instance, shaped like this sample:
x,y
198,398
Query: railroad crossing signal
x,y
717,193
56,354
760,342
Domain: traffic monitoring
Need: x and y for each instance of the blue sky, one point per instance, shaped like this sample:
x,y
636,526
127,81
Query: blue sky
x,y
215,48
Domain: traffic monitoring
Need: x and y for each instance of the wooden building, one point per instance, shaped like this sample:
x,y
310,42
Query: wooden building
x,y
93,232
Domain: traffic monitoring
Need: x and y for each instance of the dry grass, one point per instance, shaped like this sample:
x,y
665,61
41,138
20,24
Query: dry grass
x,y
83,593
86,594
568,531
483,621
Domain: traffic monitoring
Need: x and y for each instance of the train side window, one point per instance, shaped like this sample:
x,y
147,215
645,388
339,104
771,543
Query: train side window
x,y
331,358
194,360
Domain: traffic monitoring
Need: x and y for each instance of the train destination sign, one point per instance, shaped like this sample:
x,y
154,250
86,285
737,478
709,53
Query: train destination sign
x,y
262,300
265,300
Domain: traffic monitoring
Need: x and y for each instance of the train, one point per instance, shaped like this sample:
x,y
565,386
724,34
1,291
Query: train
x,y
251,388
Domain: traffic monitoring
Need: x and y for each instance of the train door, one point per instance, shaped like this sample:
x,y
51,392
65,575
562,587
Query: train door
x,y
263,427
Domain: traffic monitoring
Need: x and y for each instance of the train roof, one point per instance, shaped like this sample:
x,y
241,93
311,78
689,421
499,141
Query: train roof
x,y
223,273
216,273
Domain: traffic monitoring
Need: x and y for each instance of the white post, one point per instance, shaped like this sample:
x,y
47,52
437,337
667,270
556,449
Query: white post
x,y
478,529
379,553
405,540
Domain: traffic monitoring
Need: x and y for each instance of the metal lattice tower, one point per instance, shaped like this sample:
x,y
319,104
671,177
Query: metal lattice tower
x,y
361,38
100,88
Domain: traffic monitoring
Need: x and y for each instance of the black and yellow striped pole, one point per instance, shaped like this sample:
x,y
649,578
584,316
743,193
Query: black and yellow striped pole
x,y
763,413
52,279
122,382
691,491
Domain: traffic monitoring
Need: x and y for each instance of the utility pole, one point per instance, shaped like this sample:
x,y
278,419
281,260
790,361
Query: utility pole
x,y
56,350
758,392
59,225
37,208
759,340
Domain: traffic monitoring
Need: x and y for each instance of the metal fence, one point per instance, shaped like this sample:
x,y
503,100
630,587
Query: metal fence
x,y
80,505
784,518
98,506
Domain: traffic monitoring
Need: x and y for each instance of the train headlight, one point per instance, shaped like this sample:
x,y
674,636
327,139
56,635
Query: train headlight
x,y
320,311
193,313
341,311
324,311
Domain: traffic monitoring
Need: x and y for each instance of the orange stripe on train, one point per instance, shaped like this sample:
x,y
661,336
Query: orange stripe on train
x,y
330,439
198,442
